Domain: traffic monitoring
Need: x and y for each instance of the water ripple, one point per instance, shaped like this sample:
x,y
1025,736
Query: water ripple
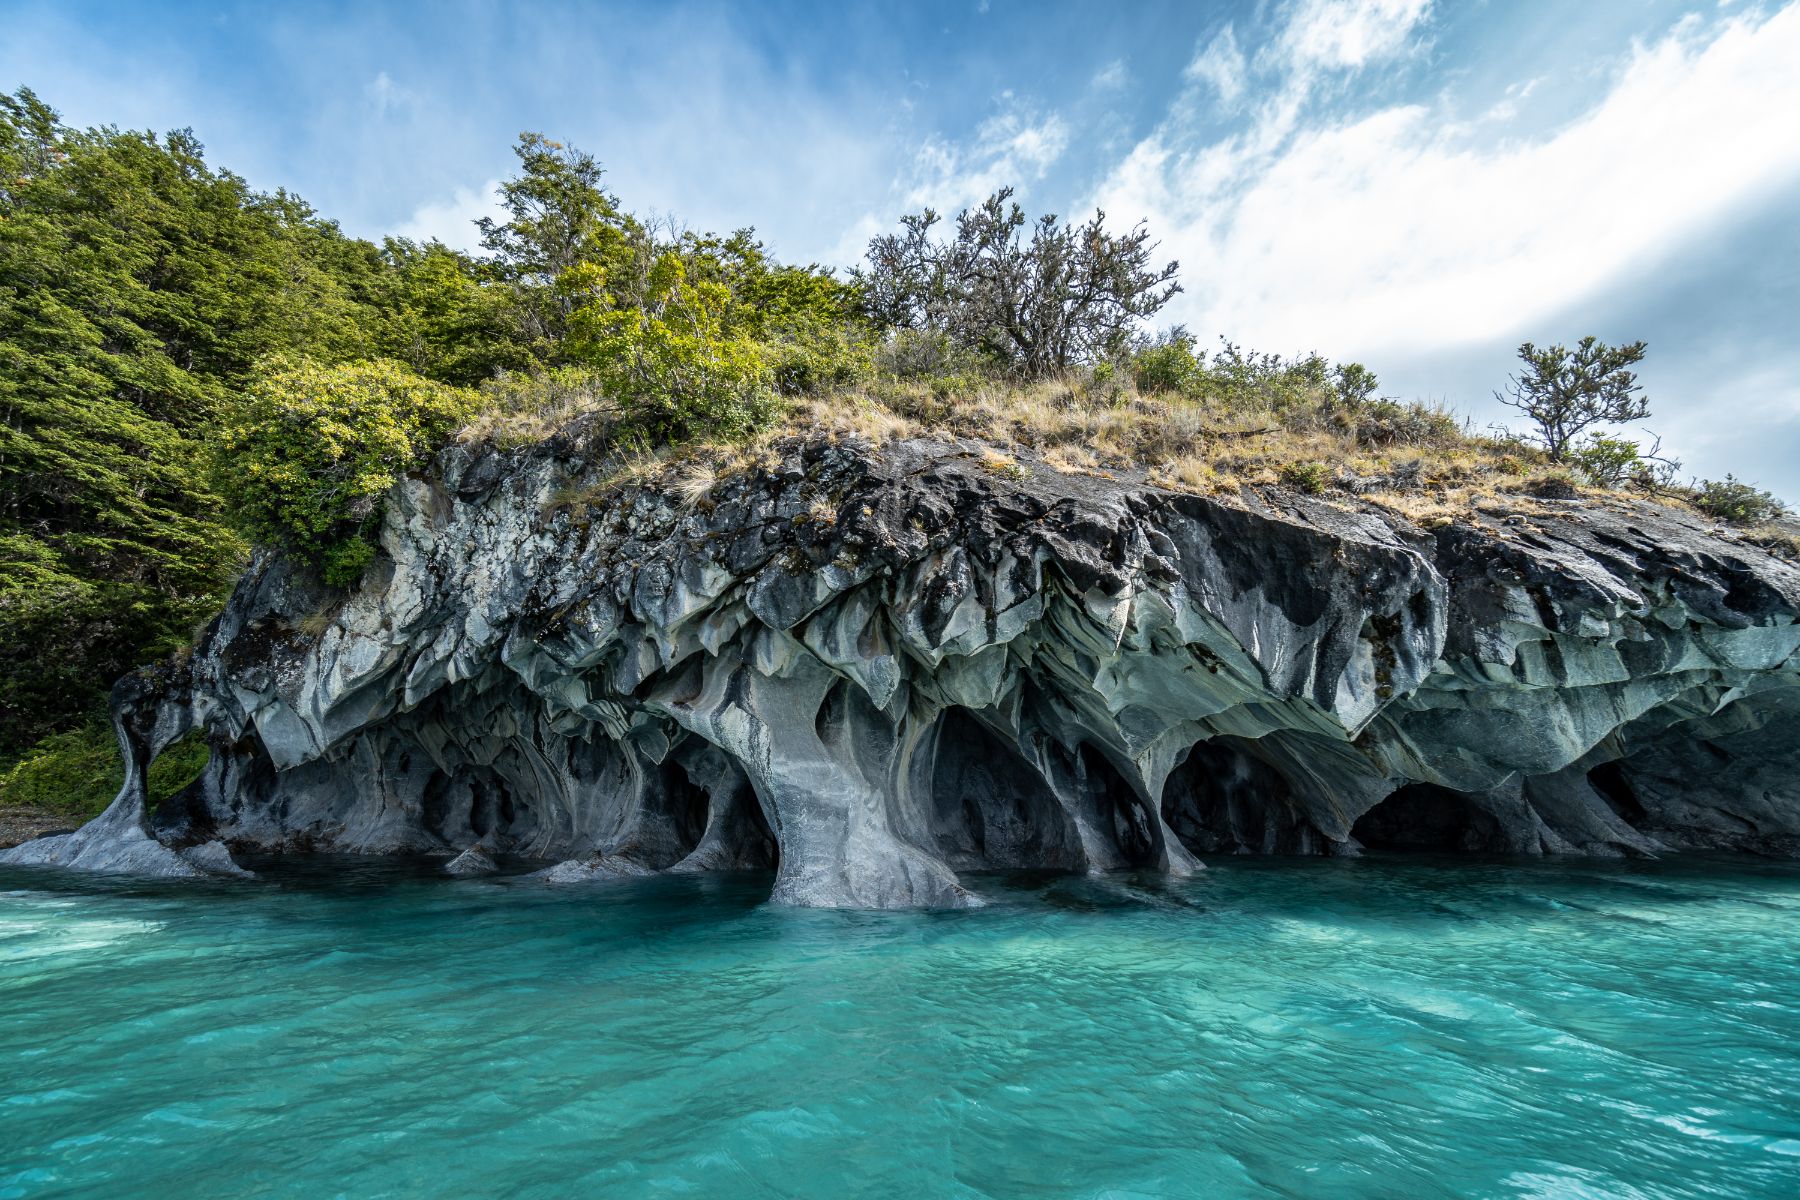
x,y
1376,1028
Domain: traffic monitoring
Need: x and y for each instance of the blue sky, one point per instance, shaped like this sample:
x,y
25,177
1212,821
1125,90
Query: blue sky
x,y
1417,185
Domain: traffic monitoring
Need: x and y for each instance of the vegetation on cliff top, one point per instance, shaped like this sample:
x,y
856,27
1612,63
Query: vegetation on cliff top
x,y
188,366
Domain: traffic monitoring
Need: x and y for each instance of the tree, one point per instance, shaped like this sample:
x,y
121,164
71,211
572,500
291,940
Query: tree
x,y
559,217
307,455
1072,294
139,286
673,364
1566,392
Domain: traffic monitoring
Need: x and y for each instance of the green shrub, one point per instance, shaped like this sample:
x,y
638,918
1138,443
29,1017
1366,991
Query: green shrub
x,y
1169,364
306,458
1608,462
1737,502
1309,477
1355,383
78,771
672,365
924,354
812,358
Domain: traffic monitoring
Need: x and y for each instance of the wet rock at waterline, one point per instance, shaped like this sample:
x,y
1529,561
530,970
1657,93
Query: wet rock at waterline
x,y
876,669
473,861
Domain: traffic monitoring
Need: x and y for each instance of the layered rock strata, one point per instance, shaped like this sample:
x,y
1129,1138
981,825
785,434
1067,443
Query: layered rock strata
x,y
876,669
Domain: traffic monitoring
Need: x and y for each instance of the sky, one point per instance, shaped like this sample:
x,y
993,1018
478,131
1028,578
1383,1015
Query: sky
x,y
1419,185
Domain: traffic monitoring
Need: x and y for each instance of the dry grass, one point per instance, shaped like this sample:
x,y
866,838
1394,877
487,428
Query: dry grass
x,y
1417,462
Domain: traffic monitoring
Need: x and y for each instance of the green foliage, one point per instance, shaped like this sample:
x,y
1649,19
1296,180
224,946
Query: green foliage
x,y
305,458
1169,363
1071,295
1355,383
1567,392
1732,500
79,772
1309,477
437,313
136,287
674,367
1608,461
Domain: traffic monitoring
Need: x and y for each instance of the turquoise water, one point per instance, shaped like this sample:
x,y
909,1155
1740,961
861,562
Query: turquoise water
x,y
1304,1028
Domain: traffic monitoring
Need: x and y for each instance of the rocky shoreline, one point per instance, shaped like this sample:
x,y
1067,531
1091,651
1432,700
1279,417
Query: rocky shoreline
x,y
873,668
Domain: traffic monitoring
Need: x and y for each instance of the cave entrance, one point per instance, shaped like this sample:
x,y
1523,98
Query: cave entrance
x,y
1426,817
991,808
1225,799
1136,831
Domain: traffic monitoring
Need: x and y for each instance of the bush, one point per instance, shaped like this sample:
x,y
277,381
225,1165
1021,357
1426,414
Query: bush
x,y
308,455
1309,477
810,359
1169,364
1390,423
672,365
1607,461
924,354
1737,502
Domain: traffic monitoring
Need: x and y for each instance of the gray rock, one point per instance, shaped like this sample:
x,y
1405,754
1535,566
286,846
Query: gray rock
x,y
597,869
874,669
473,861
213,858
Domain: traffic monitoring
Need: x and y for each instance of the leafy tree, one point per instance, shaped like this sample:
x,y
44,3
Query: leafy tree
x,y
306,457
1567,392
137,285
1072,294
672,363
438,314
559,217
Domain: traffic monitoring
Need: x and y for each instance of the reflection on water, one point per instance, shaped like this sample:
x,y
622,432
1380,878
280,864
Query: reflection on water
x,y
1303,1028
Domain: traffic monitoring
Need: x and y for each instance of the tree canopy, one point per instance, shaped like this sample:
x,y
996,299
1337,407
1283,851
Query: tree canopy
x,y
1072,294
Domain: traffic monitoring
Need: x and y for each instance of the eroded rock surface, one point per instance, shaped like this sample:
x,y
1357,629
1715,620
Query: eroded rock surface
x,y
875,669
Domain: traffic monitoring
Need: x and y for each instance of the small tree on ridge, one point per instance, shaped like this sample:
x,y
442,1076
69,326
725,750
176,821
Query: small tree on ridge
x,y
1566,392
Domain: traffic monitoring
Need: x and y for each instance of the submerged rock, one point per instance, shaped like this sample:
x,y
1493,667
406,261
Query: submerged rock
x,y
875,669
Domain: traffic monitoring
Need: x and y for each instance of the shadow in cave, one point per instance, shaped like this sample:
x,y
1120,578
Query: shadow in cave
x,y
1426,817
991,808
1225,799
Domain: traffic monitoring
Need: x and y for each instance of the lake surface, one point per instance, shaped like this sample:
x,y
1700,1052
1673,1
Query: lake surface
x,y
1369,1028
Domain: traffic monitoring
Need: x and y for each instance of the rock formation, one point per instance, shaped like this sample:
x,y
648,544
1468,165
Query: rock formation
x,y
874,669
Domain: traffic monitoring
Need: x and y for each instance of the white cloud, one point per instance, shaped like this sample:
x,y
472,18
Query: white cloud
x,y
388,96
1222,65
1013,147
1398,229
1112,77
452,221
1350,33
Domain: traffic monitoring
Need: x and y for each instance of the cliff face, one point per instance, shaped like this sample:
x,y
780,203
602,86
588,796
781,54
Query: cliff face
x,y
874,669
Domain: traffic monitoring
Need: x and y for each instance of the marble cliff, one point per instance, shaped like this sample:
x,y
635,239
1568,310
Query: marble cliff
x,y
876,669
